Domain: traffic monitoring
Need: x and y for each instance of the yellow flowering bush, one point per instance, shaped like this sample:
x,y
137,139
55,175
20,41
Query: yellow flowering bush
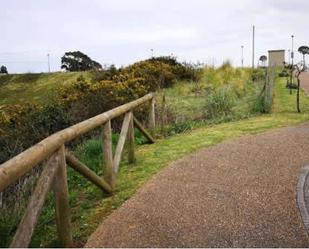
x,y
24,125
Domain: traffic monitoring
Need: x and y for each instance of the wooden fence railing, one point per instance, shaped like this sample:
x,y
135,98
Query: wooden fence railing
x,y
54,174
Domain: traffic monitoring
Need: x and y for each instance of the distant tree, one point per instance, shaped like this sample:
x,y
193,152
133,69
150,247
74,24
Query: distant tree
x,y
263,59
113,69
303,50
78,61
3,69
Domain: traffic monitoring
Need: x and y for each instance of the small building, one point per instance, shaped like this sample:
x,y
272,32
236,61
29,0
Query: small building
x,y
276,58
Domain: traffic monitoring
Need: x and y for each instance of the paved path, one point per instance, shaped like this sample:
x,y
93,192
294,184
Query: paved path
x,y
241,193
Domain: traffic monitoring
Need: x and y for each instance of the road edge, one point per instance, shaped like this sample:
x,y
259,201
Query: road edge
x,y
302,201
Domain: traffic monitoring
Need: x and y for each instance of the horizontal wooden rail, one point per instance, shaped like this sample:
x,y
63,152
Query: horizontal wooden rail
x,y
55,171
19,165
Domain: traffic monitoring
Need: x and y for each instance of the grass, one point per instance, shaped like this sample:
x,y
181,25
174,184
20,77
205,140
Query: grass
x,y
190,104
90,207
19,88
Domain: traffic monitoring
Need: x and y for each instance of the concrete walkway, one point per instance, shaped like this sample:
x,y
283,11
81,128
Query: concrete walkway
x,y
241,193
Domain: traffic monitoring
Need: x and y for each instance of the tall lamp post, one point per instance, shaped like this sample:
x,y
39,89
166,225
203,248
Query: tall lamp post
x,y
242,56
253,45
48,62
292,57
292,53
292,67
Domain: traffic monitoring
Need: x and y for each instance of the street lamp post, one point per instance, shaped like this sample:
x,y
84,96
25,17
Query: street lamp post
x,y
292,57
292,53
242,56
48,62
253,45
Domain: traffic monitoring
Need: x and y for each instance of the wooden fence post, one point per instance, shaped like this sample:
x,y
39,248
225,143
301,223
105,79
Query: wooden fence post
x,y
63,219
121,141
163,107
152,120
26,227
109,175
131,156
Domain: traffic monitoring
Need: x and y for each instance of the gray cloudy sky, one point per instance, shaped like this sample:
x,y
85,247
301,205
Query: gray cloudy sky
x,y
124,31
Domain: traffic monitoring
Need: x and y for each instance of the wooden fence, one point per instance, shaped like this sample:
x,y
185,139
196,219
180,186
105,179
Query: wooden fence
x,y
54,174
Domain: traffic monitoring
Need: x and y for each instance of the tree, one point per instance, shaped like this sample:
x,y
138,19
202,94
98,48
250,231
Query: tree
x,y
3,69
299,69
263,59
303,50
78,61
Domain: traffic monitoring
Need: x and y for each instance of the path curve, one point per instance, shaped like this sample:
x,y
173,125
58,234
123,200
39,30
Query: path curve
x,y
304,82
240,193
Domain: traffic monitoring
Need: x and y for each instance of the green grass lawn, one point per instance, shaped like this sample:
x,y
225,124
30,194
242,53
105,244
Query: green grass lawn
x,y
20,88
90,207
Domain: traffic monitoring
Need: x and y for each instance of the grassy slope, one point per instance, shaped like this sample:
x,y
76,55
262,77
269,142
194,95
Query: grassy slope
x,y
89,208
17,88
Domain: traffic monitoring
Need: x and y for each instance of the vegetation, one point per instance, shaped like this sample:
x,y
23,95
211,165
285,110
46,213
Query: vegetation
x,y
3,70
222,94
263,59
78,61
22,125
188,106
35,87
298,70
304,50
89,207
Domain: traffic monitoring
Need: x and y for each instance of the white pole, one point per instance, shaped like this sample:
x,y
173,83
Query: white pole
x,y
48,62
253,41
242,56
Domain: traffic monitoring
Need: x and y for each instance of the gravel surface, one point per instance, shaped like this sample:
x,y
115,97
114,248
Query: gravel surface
x,y
304,81
240,193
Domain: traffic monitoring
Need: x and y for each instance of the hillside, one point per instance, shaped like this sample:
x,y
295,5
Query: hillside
x,y
89,209
18,88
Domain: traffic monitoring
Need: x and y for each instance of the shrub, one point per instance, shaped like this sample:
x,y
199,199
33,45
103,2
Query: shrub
x,y
219,103
258,75
283,73
23,126
226,65
104,74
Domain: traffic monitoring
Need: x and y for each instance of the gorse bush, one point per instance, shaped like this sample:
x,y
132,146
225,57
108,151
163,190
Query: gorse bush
x,y
159,72
25,125
104,74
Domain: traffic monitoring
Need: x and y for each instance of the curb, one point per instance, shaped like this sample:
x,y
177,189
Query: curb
x,y
303,196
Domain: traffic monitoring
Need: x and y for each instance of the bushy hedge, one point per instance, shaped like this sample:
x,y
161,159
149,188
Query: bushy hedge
x,y
25,125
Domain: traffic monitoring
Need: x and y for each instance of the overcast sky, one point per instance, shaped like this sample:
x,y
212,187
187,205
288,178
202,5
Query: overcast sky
x,y
124,31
